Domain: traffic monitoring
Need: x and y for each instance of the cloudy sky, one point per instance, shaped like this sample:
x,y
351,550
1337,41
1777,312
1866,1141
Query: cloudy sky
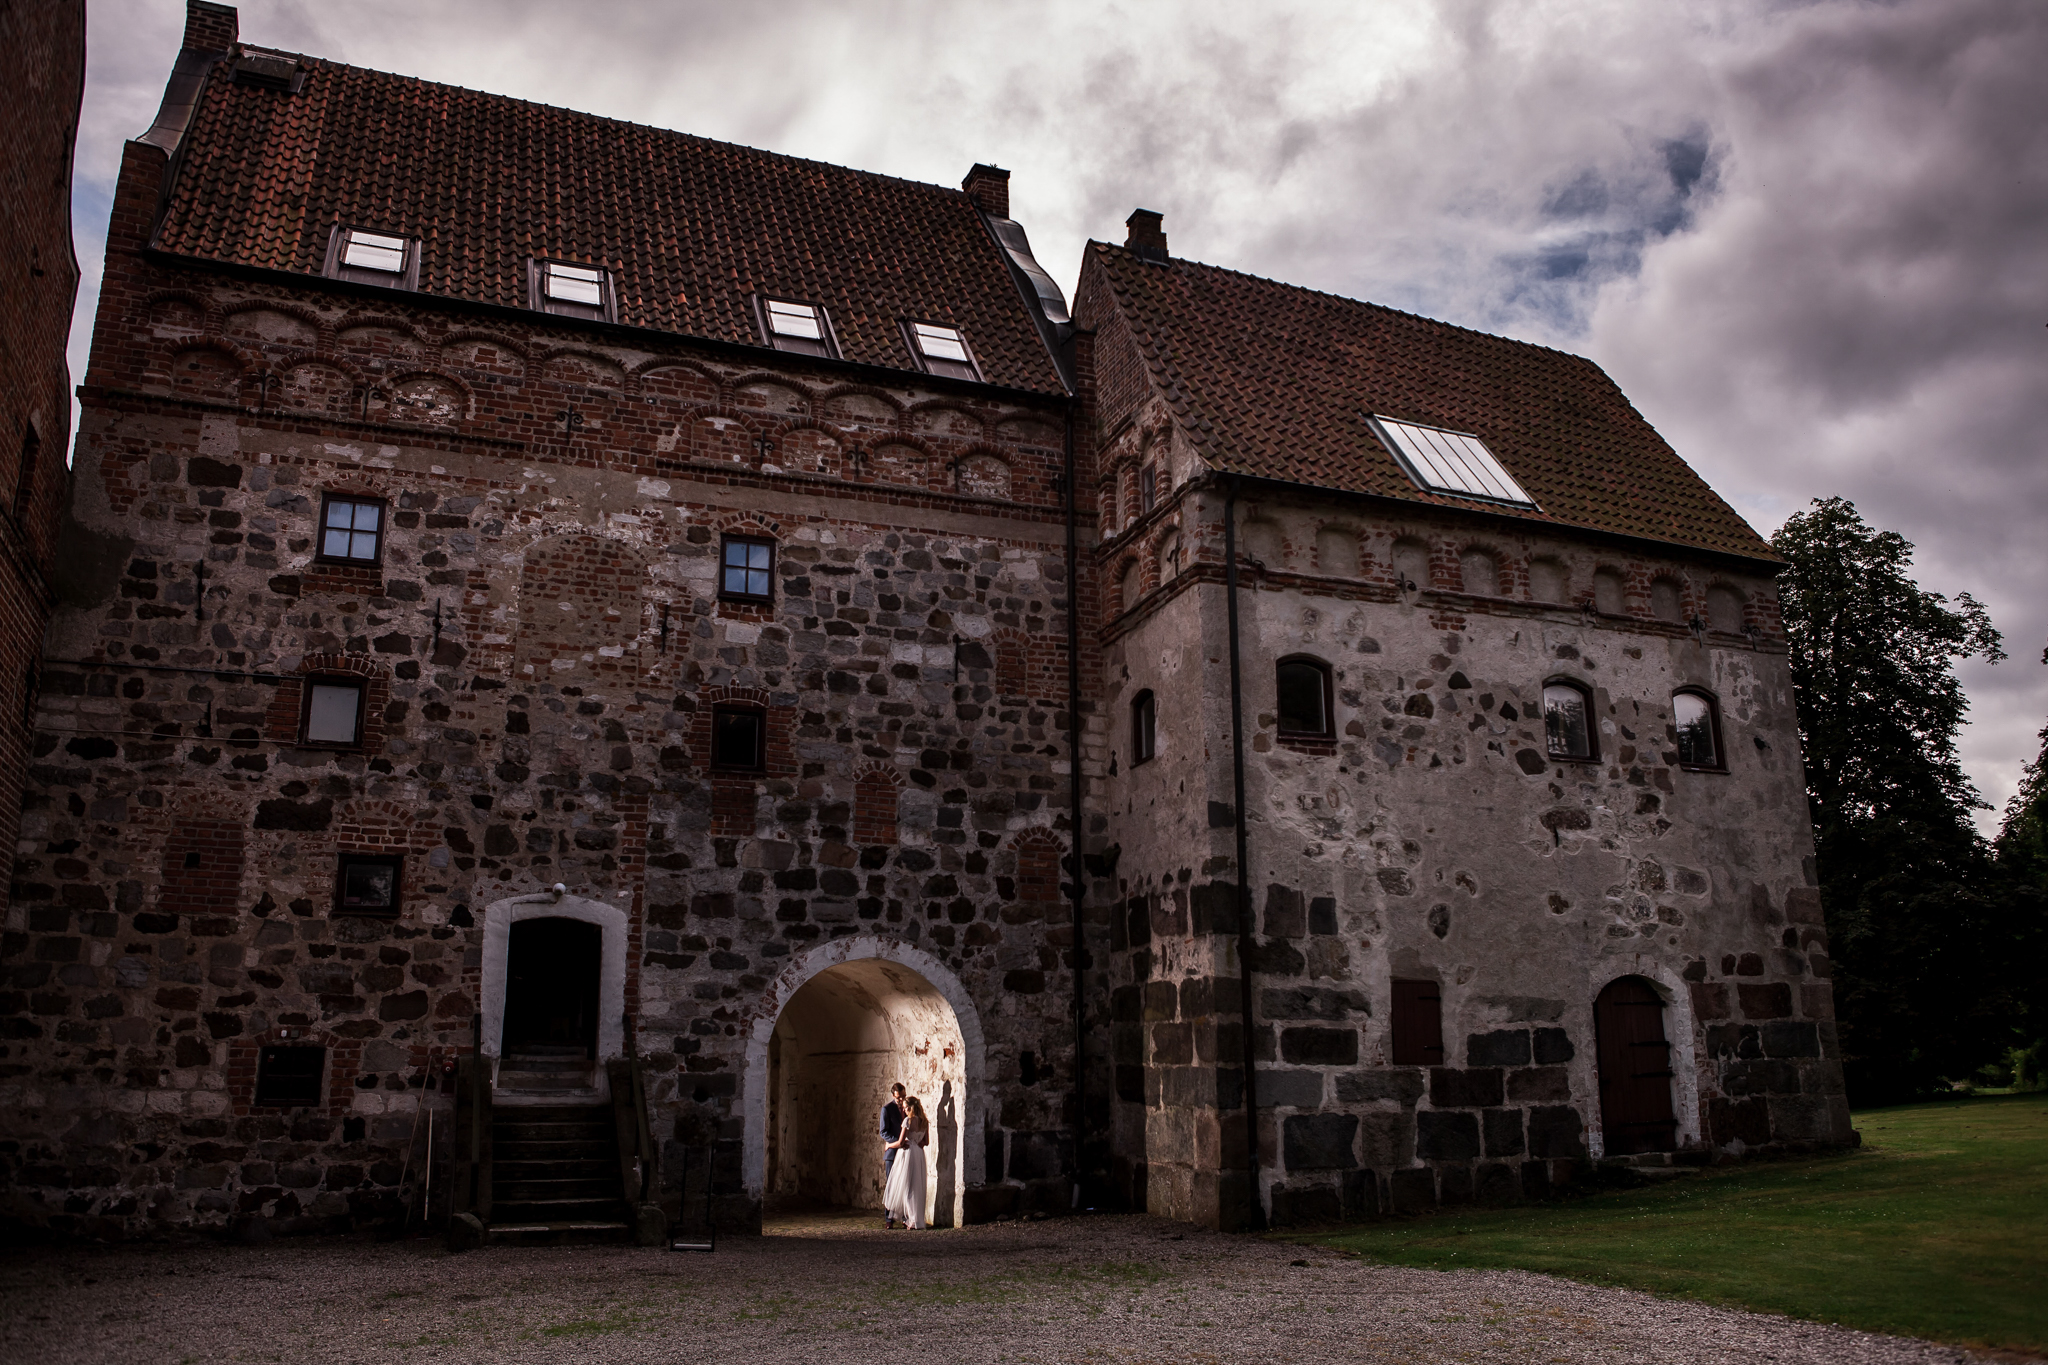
x,y
1810,240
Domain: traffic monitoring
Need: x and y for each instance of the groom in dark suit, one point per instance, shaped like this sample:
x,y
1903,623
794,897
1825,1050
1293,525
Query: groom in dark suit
x,y
892,1129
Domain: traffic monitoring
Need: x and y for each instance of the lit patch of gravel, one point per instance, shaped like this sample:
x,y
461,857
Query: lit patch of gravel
x,y
1115,1290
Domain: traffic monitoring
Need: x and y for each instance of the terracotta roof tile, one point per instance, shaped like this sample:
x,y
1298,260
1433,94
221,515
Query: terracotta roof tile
x,y
690,226
1274,380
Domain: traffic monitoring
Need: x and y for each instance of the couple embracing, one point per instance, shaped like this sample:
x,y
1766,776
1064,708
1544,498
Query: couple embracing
x,y
905,1132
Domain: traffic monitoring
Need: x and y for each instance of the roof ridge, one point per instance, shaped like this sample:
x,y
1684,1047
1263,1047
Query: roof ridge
x,y
318,61
1356,303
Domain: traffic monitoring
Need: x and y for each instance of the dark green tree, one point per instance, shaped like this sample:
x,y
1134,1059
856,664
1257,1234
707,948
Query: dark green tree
x,y
2022,850
1918,921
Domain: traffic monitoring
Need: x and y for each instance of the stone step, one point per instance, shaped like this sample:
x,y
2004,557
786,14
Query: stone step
x,y
578,1079
518,1130
557,1210
547,1050
585,1163
572,1232
553,1188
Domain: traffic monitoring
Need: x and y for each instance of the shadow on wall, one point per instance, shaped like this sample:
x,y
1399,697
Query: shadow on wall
x,y
841,1041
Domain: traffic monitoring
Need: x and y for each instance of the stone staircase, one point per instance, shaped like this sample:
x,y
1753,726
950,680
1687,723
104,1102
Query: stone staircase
x,y
555,1173
546,1074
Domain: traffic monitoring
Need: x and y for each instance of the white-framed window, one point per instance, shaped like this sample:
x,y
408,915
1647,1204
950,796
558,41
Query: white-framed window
x,y
791,325
571,289
367,256
1443,461
942,350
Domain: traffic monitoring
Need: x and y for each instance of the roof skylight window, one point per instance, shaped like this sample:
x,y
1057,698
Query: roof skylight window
x,y
367,257
1449,462
800,327
571,290
943,350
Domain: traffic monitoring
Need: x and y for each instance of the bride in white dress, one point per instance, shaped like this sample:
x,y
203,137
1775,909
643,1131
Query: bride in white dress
x,y
905,1194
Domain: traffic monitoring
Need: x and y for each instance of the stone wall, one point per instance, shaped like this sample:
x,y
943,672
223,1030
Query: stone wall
x,y
1434,838
541,643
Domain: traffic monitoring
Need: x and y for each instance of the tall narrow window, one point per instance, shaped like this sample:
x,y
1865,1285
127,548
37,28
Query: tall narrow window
x,y
1568,721
351,530
739,739
746,569
333,712
1418,1024
380,258
1144,728
25,470
800,327
1148,488
571,290
289,1077
1303,687
368,884
943,350
1693,715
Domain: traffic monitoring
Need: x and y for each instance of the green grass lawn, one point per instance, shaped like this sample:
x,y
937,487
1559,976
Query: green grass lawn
x,y
1936,1227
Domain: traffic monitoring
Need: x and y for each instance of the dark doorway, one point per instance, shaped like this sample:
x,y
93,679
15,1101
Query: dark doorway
x,y
1635,1068
551,972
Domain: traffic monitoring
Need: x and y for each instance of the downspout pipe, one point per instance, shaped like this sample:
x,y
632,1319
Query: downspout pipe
x,y
1255,1209
1076,884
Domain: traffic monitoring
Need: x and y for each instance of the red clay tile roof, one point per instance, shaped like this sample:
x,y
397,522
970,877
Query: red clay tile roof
x,y
1274,380
690,226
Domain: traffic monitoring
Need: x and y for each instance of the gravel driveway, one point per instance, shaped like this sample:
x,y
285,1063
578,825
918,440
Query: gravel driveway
x,y
1117,1290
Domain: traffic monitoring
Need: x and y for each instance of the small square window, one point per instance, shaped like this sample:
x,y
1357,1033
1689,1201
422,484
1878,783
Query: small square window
x,y
739,739
351,530
290,1077
943,350
334,711
571,290
746,569
380,258
368,884
800,327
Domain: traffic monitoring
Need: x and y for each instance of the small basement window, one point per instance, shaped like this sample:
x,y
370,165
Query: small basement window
x,y
747,569
290,1077
1568,721
365,257
368,884
1698,722
334,711
1453,462
800,327
943,350
351,530
739,737
570,290
1303,687
1144,728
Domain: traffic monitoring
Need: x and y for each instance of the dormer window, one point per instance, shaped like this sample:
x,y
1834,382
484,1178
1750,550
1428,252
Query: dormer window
x,y
942,350
799,327
1453,462
365,257
571,290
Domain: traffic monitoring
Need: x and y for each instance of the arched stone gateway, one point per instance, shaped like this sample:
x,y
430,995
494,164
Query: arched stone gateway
x,y
828,1036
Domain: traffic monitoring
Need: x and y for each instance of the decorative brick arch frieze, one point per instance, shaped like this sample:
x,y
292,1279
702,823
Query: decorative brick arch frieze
x,y
281,720
900,420
973,482
747,524
348,322
386,391
518,348
322,331
209,309
874,468
876,788
983,421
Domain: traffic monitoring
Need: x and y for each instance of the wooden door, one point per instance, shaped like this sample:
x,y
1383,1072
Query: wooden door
x,y
1635,1068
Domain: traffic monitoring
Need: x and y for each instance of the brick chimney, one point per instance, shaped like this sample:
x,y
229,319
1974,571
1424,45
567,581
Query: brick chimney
x,y
1145,234
989,188
210,27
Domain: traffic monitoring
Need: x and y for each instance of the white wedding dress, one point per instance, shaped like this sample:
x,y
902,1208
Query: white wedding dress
x,y
904,1196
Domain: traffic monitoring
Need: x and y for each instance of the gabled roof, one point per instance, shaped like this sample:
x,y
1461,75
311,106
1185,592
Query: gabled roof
x,y
690,226
1275,381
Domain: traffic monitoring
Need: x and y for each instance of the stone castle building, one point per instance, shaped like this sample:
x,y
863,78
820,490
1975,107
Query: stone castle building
x,y
627,644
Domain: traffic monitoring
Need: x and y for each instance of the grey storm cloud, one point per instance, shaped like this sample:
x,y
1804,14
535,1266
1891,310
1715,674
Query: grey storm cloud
x,y
1807,239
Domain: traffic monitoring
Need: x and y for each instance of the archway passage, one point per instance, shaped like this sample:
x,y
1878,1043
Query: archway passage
x,y
551,988
1635,1068
844,1037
